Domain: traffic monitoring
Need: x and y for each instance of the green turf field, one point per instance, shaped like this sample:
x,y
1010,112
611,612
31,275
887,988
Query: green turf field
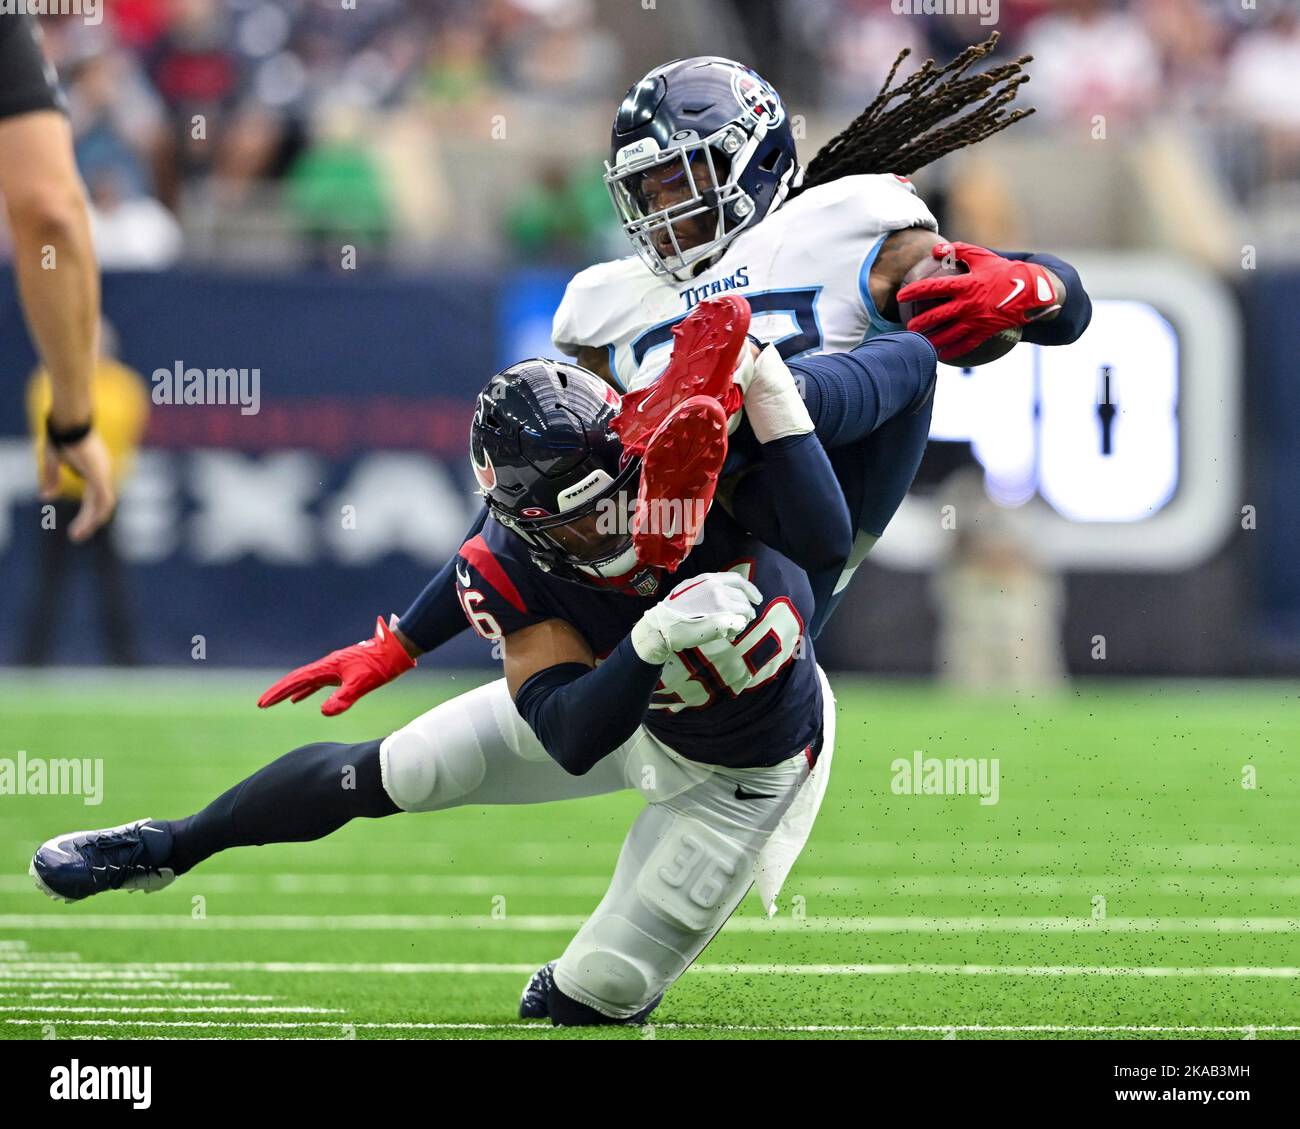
x,y
918,916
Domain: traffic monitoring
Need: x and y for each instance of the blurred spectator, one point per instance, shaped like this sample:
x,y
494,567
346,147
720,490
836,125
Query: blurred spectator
x,y
1190,42
131,231
118,130
117,119
562,213
1092,57
564,55
456,71
1261,88
856,42
207,105
197,74
121,411
336,194
978,200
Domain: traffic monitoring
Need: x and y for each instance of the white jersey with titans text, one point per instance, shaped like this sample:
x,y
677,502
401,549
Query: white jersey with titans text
x,y
804,270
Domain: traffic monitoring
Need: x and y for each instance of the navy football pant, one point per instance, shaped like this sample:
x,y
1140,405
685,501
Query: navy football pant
x,y
871,410
875,475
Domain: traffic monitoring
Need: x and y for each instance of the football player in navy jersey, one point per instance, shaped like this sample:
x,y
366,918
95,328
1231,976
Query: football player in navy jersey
x,y
686,671
704,174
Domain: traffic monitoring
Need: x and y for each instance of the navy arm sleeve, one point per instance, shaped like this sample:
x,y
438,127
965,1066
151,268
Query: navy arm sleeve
x,y
1075,312
436,615
849,395
791,499
580,714
794,504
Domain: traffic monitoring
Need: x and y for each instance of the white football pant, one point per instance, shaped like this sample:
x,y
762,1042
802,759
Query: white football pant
x,y
685,865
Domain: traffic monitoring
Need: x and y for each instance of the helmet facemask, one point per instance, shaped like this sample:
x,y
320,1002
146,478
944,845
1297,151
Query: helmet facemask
x,y
590,540
710,167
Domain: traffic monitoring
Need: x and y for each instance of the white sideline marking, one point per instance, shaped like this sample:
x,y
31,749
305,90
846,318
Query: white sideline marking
x,y
912,884
517,969
544,1028
59,1009
562,923
413,884
132,997
18,954
937,1029
121,981
994,970
966,885
878,854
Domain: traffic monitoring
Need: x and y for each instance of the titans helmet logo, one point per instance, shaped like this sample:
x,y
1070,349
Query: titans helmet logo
x,y
759,99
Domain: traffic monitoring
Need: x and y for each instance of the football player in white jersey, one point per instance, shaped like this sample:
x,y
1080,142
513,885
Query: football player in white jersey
x,y
704,174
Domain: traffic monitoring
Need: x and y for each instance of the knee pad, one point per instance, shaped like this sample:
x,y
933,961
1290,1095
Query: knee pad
x,y
691,876
432,762
648,930
409,769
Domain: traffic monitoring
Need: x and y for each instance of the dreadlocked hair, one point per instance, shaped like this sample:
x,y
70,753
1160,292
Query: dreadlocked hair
x,y
919,121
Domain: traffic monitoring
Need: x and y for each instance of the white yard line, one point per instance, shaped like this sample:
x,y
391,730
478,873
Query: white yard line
x,y
967,854
518,1028
338,884
516,969
563,923
60,1009
132,997
920,885
1281,972
120,981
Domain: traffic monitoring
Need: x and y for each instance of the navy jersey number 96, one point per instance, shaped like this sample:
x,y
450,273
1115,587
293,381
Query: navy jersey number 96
x,y
753,701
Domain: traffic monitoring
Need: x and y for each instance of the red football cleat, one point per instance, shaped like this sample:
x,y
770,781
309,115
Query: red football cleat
x,y
706,352
679,474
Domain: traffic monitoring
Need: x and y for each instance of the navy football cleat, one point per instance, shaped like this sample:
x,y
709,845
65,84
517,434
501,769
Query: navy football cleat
x,y
532,1004
71,867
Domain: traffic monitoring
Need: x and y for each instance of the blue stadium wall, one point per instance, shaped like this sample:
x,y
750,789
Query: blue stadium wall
x,y
280,535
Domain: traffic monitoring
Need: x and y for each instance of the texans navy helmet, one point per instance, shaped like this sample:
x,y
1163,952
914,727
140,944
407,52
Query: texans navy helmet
x,y
721,128
556,476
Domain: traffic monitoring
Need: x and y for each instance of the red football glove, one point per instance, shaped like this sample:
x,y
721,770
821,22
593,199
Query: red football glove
x,y
356,670
995,294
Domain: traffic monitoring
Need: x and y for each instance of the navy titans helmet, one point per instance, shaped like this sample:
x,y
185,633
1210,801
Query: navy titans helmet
x,y
555,475
732,123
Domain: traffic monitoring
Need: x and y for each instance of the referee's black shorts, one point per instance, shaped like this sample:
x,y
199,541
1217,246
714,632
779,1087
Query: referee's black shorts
x,y
27,81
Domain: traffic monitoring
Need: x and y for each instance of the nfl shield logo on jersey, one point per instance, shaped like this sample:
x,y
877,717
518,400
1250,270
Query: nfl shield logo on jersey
x,y
647,584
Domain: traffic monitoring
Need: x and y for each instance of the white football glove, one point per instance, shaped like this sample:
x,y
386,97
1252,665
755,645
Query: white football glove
x,y
701,609
773,400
